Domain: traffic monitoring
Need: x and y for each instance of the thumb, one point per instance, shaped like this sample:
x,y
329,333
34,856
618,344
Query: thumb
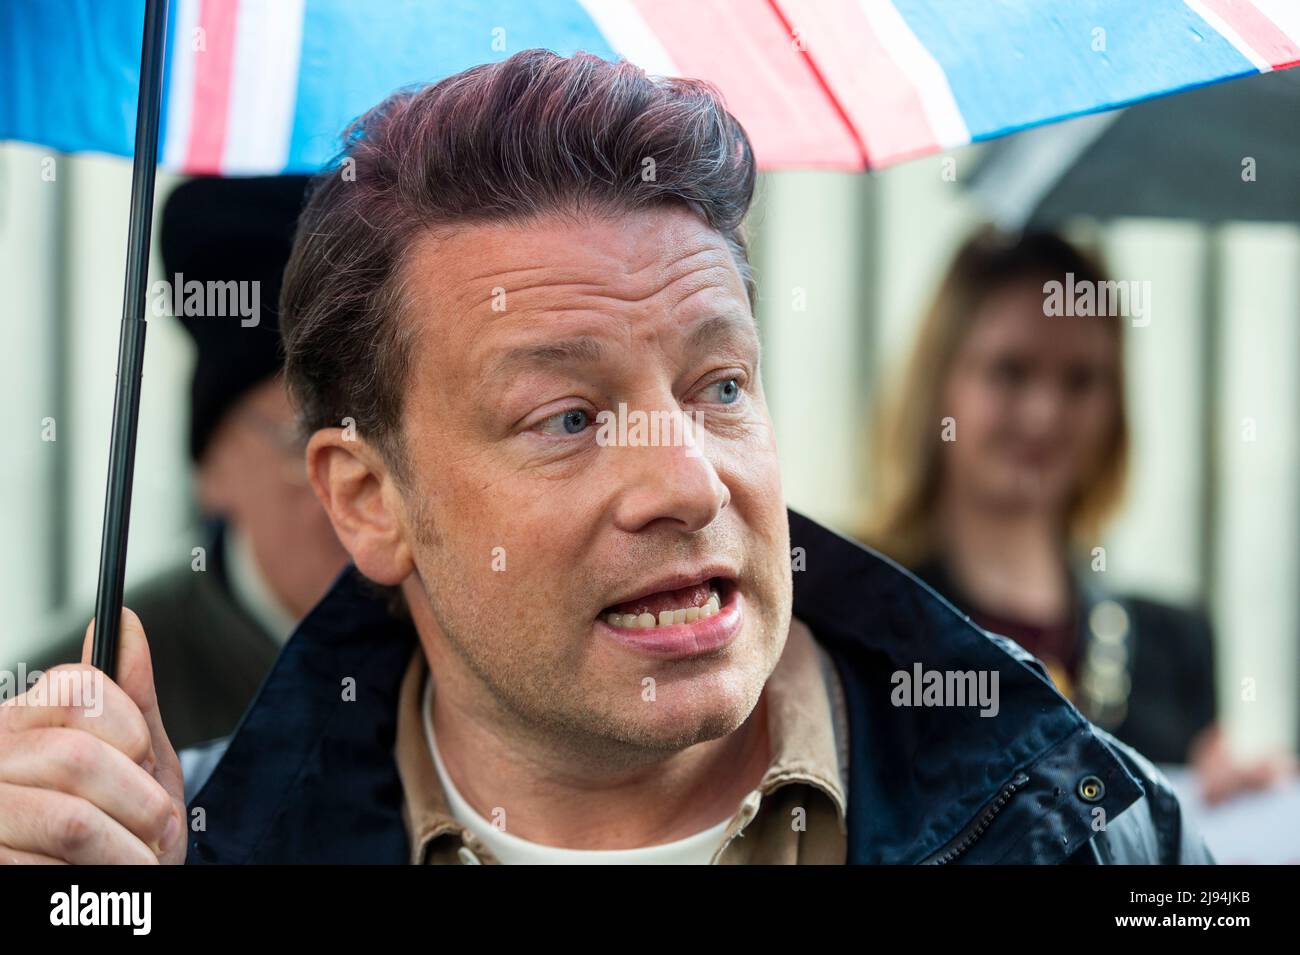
x,y
134,665
135,677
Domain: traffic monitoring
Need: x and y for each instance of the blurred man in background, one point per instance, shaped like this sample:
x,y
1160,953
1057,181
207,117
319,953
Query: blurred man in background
x,y
217,621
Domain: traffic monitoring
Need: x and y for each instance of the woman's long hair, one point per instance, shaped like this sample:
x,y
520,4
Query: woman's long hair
x,y
906,442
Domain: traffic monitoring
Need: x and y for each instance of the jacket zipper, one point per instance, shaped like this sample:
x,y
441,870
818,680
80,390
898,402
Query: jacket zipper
x,y
968,836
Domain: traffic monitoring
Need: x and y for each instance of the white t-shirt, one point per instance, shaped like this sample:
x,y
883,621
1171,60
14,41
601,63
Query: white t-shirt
x,y
512,850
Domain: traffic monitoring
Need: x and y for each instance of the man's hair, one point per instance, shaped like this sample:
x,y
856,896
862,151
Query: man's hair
x,y
534,135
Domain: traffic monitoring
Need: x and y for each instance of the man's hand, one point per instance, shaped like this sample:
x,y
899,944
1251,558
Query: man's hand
x,y
87,774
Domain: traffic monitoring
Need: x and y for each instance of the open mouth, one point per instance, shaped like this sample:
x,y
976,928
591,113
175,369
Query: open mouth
x,y
668,608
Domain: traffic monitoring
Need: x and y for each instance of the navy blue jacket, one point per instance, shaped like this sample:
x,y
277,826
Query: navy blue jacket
x,y
310,778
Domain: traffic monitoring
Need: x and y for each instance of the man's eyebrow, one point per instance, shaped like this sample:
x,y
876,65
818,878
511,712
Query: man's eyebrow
x,y
587,349
728,328
584,349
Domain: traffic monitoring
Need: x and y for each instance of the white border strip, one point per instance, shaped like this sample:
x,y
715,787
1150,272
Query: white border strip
x,y
921,68
1229,34
180,92
1285,15
628,33
263,86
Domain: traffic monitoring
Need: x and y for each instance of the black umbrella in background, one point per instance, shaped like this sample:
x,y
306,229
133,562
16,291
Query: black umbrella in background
x,y
130,348
1228,152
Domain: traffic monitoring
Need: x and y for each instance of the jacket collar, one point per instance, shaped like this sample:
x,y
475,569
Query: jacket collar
x,y
924,780
309,774
1107,634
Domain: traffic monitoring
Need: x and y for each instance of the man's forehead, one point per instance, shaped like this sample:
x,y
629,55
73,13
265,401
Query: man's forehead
x,y
561,292
552,262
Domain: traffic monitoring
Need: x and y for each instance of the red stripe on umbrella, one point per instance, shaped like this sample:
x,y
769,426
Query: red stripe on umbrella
x,y
1263,36
769,84
212,76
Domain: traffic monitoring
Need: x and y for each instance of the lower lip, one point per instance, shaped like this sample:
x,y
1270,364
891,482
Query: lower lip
x,y
705,635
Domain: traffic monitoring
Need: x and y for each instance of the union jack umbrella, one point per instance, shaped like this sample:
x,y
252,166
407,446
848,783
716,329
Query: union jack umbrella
x,y
266,86
262,87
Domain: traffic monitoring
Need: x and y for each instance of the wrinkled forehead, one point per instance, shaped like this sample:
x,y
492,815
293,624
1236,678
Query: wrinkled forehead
x,y
489,292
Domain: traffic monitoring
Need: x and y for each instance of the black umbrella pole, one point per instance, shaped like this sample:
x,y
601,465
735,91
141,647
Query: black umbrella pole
x,y
130,348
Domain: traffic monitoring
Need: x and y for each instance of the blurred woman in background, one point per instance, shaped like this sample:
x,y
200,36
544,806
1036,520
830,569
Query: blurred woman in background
x,y
997,465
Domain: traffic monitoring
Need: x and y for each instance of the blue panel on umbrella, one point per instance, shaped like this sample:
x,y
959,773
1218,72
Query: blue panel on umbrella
x,y
70,69
1013,63
418,41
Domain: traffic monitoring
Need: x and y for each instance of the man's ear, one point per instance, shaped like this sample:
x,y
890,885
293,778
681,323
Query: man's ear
x,y
360,494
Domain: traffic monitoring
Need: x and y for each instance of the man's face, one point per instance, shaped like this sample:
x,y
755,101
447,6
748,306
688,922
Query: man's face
x,y
529,527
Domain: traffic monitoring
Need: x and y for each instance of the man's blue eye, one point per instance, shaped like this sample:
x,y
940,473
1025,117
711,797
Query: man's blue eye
x,y
573,421
728,391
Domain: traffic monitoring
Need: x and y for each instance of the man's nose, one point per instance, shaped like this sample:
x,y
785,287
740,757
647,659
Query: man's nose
x,y
676,485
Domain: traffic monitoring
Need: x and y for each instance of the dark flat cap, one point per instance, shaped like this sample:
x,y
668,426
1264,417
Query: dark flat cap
x,y
217,230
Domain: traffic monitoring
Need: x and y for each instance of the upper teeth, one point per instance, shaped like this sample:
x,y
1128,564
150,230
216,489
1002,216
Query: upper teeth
x,y
644,621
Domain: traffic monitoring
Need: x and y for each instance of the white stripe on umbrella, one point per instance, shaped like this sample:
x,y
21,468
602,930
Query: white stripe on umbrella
x,y
180,93
630,36
263,86
924,70
747,51
879,99
1285,15
1270,28
1226,29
